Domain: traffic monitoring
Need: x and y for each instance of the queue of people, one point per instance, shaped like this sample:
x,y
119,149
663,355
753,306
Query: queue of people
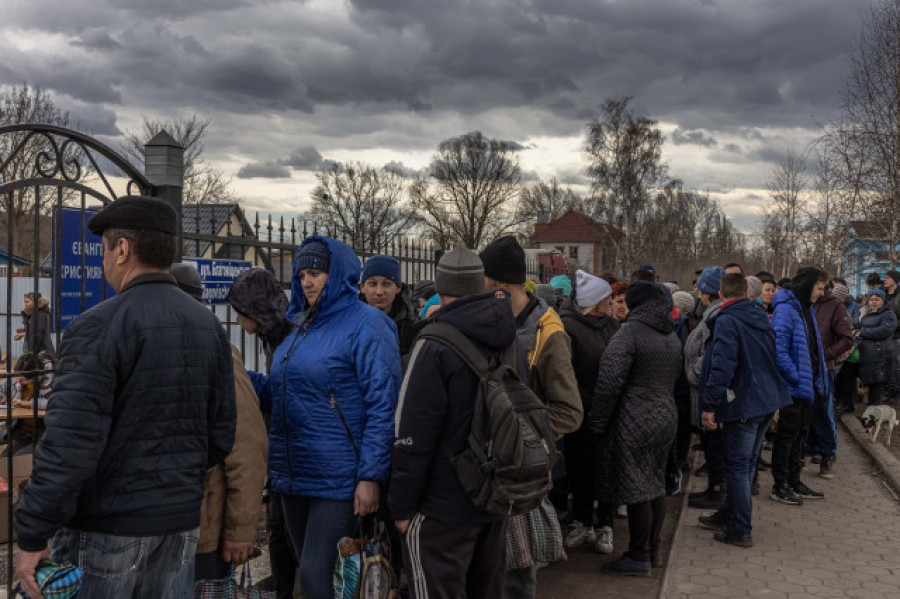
x,y
159,443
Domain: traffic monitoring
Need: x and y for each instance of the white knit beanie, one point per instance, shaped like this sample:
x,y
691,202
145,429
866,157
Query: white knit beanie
x,y
590,290
684,301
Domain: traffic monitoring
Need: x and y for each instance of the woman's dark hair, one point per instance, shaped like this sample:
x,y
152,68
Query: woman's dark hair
x,y
152,248
27,362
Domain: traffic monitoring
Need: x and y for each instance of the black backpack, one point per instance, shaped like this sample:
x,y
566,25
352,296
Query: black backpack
x,y
506,466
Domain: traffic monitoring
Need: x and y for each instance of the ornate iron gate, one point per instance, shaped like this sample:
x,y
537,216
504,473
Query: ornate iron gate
x,y
44,171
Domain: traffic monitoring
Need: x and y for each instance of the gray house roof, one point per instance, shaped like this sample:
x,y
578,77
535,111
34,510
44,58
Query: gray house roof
x,y
211,219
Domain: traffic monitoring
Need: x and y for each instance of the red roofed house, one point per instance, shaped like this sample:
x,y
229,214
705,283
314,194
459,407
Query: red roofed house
x,y
578,236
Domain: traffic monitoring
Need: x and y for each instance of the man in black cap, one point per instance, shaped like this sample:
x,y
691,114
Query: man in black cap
x,y
142,406
551,376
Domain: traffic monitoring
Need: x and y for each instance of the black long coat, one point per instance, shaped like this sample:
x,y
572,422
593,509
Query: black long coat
x,y
634,406
876,346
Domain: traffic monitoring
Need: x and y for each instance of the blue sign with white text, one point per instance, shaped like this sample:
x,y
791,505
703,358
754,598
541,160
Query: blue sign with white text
x,y
217,276
78,270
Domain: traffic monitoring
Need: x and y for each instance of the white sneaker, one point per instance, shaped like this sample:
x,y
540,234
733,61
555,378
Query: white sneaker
x,y
604,542
579,534
622,511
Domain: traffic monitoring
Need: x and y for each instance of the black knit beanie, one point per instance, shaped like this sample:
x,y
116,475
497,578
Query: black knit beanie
x,y
641,292
314,255
504,260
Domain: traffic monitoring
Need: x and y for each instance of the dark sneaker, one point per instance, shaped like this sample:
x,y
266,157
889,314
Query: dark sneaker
x,y
785,495
713,522
673,483
724,537
816,459
655,558
626,566
712,500
826,468
805,492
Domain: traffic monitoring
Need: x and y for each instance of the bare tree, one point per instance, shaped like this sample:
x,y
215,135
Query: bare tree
x,y
471,192
20,105
546,201
784,224
203,183
362,204
623,153
863,144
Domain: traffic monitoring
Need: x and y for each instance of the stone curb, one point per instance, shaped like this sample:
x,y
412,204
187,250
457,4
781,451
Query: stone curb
x,y
887,463
676,538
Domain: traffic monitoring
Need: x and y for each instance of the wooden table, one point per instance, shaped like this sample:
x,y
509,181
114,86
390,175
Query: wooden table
x,y
26,413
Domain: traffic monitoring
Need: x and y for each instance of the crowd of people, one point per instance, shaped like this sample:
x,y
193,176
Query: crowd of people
x,y
159,443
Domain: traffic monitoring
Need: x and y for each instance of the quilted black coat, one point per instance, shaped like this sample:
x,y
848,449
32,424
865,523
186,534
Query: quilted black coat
x,y
634,407
876,346
142,404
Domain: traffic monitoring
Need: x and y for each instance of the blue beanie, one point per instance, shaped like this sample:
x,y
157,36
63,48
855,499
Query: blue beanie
x,y
710,279
380,265
878,292
314,254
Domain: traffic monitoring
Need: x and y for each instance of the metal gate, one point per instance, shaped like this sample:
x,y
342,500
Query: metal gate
x,y
49,178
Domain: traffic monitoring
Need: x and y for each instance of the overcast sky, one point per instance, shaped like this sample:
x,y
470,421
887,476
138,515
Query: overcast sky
x,y
289,85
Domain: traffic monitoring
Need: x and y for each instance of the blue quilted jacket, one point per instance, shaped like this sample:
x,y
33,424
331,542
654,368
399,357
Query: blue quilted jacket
x,y
792,349
344,362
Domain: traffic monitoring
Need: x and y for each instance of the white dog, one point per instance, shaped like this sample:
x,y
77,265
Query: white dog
x,y
874,416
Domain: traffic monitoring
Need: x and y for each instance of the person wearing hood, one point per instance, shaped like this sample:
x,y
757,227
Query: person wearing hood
x,y
37,326
330,397
450,547
261,305
550,376
837,342
382,287
876,349
634,414
589,323
801,362
711,440
232,490
742,389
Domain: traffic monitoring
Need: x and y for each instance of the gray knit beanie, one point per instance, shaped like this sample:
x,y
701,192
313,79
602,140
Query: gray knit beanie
x,y
459,273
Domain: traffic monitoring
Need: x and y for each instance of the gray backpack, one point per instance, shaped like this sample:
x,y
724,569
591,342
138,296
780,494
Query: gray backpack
x,y
506,466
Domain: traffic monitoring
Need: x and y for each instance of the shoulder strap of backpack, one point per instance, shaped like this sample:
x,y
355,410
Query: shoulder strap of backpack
x,y
450,336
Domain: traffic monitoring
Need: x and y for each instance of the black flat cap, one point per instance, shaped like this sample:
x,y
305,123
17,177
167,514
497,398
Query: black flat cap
x,y
136,212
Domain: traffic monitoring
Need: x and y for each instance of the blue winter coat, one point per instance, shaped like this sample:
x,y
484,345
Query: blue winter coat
x,y
346,361
876,346
741,357
793,351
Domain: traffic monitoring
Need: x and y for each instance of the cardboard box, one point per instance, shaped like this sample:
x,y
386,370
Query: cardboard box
x,y
21,469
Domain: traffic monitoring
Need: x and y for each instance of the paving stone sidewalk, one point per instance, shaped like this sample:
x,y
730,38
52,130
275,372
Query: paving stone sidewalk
x,y
846,545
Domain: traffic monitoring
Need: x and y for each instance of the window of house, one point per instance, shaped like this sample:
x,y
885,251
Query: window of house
x,y
573,251
560,248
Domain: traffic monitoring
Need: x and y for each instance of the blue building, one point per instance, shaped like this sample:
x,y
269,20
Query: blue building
x,y
867,252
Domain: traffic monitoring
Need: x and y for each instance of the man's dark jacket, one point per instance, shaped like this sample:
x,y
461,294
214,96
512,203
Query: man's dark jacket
x,y
437,400
740,357
142,404
834,328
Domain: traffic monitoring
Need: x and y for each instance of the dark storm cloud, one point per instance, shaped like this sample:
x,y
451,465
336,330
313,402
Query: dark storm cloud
x,y
264,170
304,158
681,137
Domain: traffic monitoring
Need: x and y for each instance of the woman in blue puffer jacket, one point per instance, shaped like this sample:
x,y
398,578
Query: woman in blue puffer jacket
x,y
331,397
876,346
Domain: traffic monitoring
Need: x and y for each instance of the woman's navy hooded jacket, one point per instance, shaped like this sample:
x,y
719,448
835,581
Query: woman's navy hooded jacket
x,y
344,361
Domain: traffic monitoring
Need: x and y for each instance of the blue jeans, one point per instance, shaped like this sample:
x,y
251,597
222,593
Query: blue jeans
x,y
116,567
822,430
742,440
314,526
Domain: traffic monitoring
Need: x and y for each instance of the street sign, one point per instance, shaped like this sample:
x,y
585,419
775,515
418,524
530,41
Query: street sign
x,y
217,276
78,270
